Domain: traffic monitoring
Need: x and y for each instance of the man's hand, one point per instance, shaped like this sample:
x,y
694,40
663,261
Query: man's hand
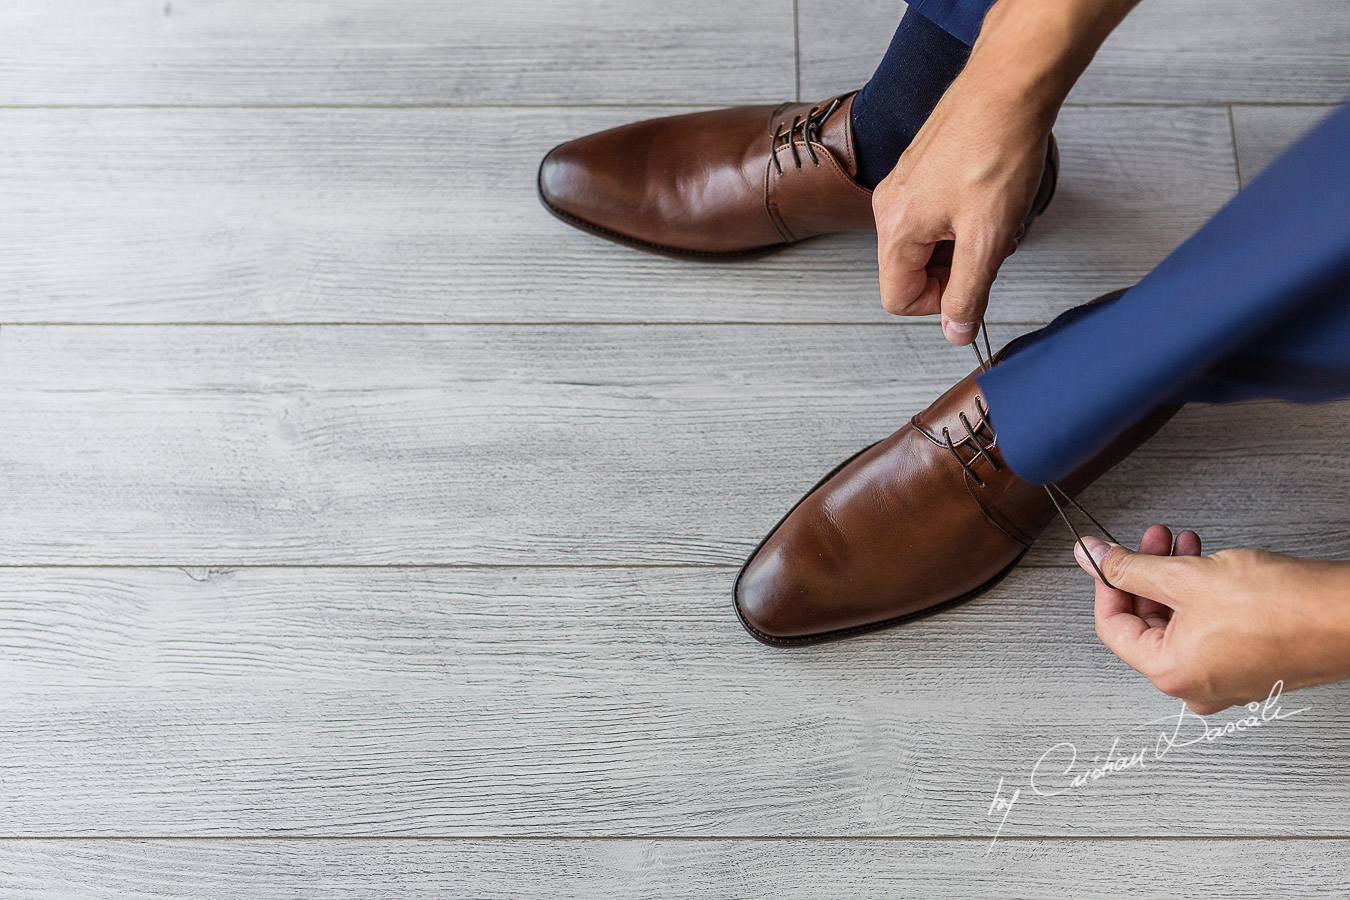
x,y
969,177
1220,630
952,209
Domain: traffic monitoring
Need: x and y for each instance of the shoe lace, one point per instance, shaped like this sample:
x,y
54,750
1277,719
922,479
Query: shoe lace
x,y
973,436
983,448
808,128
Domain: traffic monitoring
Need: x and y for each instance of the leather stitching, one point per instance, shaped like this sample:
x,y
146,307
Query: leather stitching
x,y
996,518
848,134
834,167
771,208
841,174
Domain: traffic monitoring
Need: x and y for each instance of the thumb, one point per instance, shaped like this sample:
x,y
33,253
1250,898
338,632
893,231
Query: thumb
x,y
975,263
1124,633
1159,578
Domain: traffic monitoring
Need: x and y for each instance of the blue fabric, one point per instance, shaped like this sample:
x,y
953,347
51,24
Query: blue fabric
x,y
1255,305
890,109
959,18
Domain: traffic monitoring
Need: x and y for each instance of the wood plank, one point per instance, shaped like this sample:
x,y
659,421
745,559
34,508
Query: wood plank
x,y
584,702
1264,132
1179,51
202,445
191,52
431,216
595,870
344,628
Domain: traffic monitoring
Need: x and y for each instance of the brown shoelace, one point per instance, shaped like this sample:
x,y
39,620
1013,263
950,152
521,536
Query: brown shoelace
x,y
808,128
982,448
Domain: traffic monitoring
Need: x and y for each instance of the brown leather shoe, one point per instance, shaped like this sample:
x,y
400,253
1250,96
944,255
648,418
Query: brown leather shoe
x,y
921,521
722,184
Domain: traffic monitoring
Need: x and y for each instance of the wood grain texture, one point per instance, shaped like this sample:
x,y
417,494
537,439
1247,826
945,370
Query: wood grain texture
x,y
1264,132
194,52
168,671
349,628
431,216
1166,51
598,870
596,702
201,445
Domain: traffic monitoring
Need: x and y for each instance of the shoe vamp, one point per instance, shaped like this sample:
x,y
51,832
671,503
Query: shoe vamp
x,y
896,532
694,181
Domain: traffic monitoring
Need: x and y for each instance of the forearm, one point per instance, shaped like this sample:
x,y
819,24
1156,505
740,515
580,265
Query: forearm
x,y
1035,50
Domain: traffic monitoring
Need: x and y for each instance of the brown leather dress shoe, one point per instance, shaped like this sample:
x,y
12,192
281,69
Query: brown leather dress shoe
x,y
722,184
925,519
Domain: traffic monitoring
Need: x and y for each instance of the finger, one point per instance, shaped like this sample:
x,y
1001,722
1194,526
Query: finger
x,y
1161,578
1157,541
1125,634
906,287
1154,614
939,267
1188,544
975,263
942,274
1108,602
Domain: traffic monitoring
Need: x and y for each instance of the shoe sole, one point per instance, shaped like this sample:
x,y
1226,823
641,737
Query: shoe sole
x,y
855,630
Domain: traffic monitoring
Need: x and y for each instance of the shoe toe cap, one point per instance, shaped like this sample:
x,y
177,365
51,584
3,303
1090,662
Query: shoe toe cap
x,y
562,179
776,603
581,183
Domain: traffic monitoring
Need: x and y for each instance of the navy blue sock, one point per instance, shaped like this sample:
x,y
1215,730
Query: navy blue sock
x,y
892,107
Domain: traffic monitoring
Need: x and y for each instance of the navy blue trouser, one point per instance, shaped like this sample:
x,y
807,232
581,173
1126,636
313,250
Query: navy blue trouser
x,y
1256,304
959,18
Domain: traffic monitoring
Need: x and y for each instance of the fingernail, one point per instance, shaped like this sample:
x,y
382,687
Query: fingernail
x,y
955,329
1097,547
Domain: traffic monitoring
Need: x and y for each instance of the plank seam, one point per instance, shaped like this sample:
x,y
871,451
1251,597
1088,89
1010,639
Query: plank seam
x,y
731,567
1152,104
684,838
797,45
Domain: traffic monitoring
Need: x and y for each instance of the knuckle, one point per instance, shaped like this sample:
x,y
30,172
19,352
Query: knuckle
x,y
1241,558
1116,565
890,226
967,304
894,305
898,302
893,207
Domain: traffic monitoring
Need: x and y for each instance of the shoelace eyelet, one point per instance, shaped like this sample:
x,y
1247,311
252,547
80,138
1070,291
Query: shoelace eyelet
x,y
809,130
986,363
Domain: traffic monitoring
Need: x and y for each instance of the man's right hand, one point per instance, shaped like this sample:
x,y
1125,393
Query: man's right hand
x,y
952,209
969,177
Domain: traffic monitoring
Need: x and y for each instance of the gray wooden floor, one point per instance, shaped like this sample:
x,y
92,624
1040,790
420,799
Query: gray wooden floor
x,y
369,533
